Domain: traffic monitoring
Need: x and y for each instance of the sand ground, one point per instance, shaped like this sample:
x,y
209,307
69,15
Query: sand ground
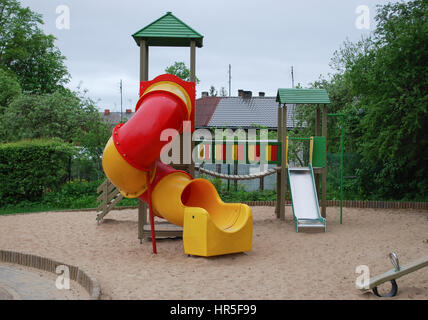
x,y
282,265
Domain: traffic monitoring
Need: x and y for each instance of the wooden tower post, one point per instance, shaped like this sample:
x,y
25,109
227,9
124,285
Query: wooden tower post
x,y
163,33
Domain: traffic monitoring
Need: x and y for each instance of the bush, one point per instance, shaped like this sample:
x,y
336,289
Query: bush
x,y
29,168
73,195
241,194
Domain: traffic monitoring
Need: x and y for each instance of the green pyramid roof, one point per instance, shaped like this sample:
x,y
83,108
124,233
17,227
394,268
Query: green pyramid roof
x,y
168,31
303,96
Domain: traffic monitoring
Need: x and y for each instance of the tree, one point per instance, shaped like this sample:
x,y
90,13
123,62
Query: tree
x,y
380,85
9,89
63,114
93,134
27,52
180,70
41,116
390,82
223,92
213,92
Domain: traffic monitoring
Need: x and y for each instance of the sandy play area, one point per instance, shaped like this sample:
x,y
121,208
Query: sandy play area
x,y
282,264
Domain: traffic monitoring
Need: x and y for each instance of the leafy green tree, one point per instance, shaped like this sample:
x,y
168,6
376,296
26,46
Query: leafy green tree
x,y
70,116
41,116
63,114
180,70
213,92
27,52
389,80
9,89
380,85
92,138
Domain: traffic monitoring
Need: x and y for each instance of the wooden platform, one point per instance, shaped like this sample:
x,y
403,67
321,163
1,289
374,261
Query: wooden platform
x,y
163,230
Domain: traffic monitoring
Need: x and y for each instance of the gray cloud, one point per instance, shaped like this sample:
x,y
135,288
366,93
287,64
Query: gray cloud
x,y
261,39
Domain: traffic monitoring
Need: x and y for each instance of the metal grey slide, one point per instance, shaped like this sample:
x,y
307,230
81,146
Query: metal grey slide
x,y
304,198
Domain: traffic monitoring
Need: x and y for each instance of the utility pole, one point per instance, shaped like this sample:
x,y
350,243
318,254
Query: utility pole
x,y
121,101
230,80
292,77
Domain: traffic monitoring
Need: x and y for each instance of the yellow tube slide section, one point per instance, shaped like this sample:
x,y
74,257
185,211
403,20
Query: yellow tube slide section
x,y
211,227
130,181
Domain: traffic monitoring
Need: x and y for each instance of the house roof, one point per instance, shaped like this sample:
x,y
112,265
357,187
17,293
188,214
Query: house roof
x,y
168,31
302,96
113,118
231,112
205,109
237,112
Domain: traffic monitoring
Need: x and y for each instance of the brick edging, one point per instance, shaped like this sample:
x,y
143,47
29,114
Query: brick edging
x,y
361,204
330,203
88,282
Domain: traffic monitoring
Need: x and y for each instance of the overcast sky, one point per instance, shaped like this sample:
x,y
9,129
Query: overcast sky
x,y
260,39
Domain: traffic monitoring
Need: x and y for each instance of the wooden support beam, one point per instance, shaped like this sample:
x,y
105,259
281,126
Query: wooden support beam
x,y
144,61
278,174
317,134
193,79
318,121
142,219
193,61
283,163
144,76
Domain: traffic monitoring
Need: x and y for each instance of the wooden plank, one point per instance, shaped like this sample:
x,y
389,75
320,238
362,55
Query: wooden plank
x,y
107,186
143,60
193,79
114,202
101,207
112,195
317,134
393,275
283,191
163,230
107,197
110,187
101,187
109,207
146,75
142,219
278,174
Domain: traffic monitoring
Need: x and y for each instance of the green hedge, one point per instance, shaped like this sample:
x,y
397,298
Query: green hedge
x,y
29,168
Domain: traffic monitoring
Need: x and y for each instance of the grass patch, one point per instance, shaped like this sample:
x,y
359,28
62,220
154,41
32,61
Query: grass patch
x,y
33,208
83,195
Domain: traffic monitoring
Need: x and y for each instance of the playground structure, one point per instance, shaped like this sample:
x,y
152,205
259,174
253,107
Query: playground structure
x,y
392,275
140,161
131,161
303,190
